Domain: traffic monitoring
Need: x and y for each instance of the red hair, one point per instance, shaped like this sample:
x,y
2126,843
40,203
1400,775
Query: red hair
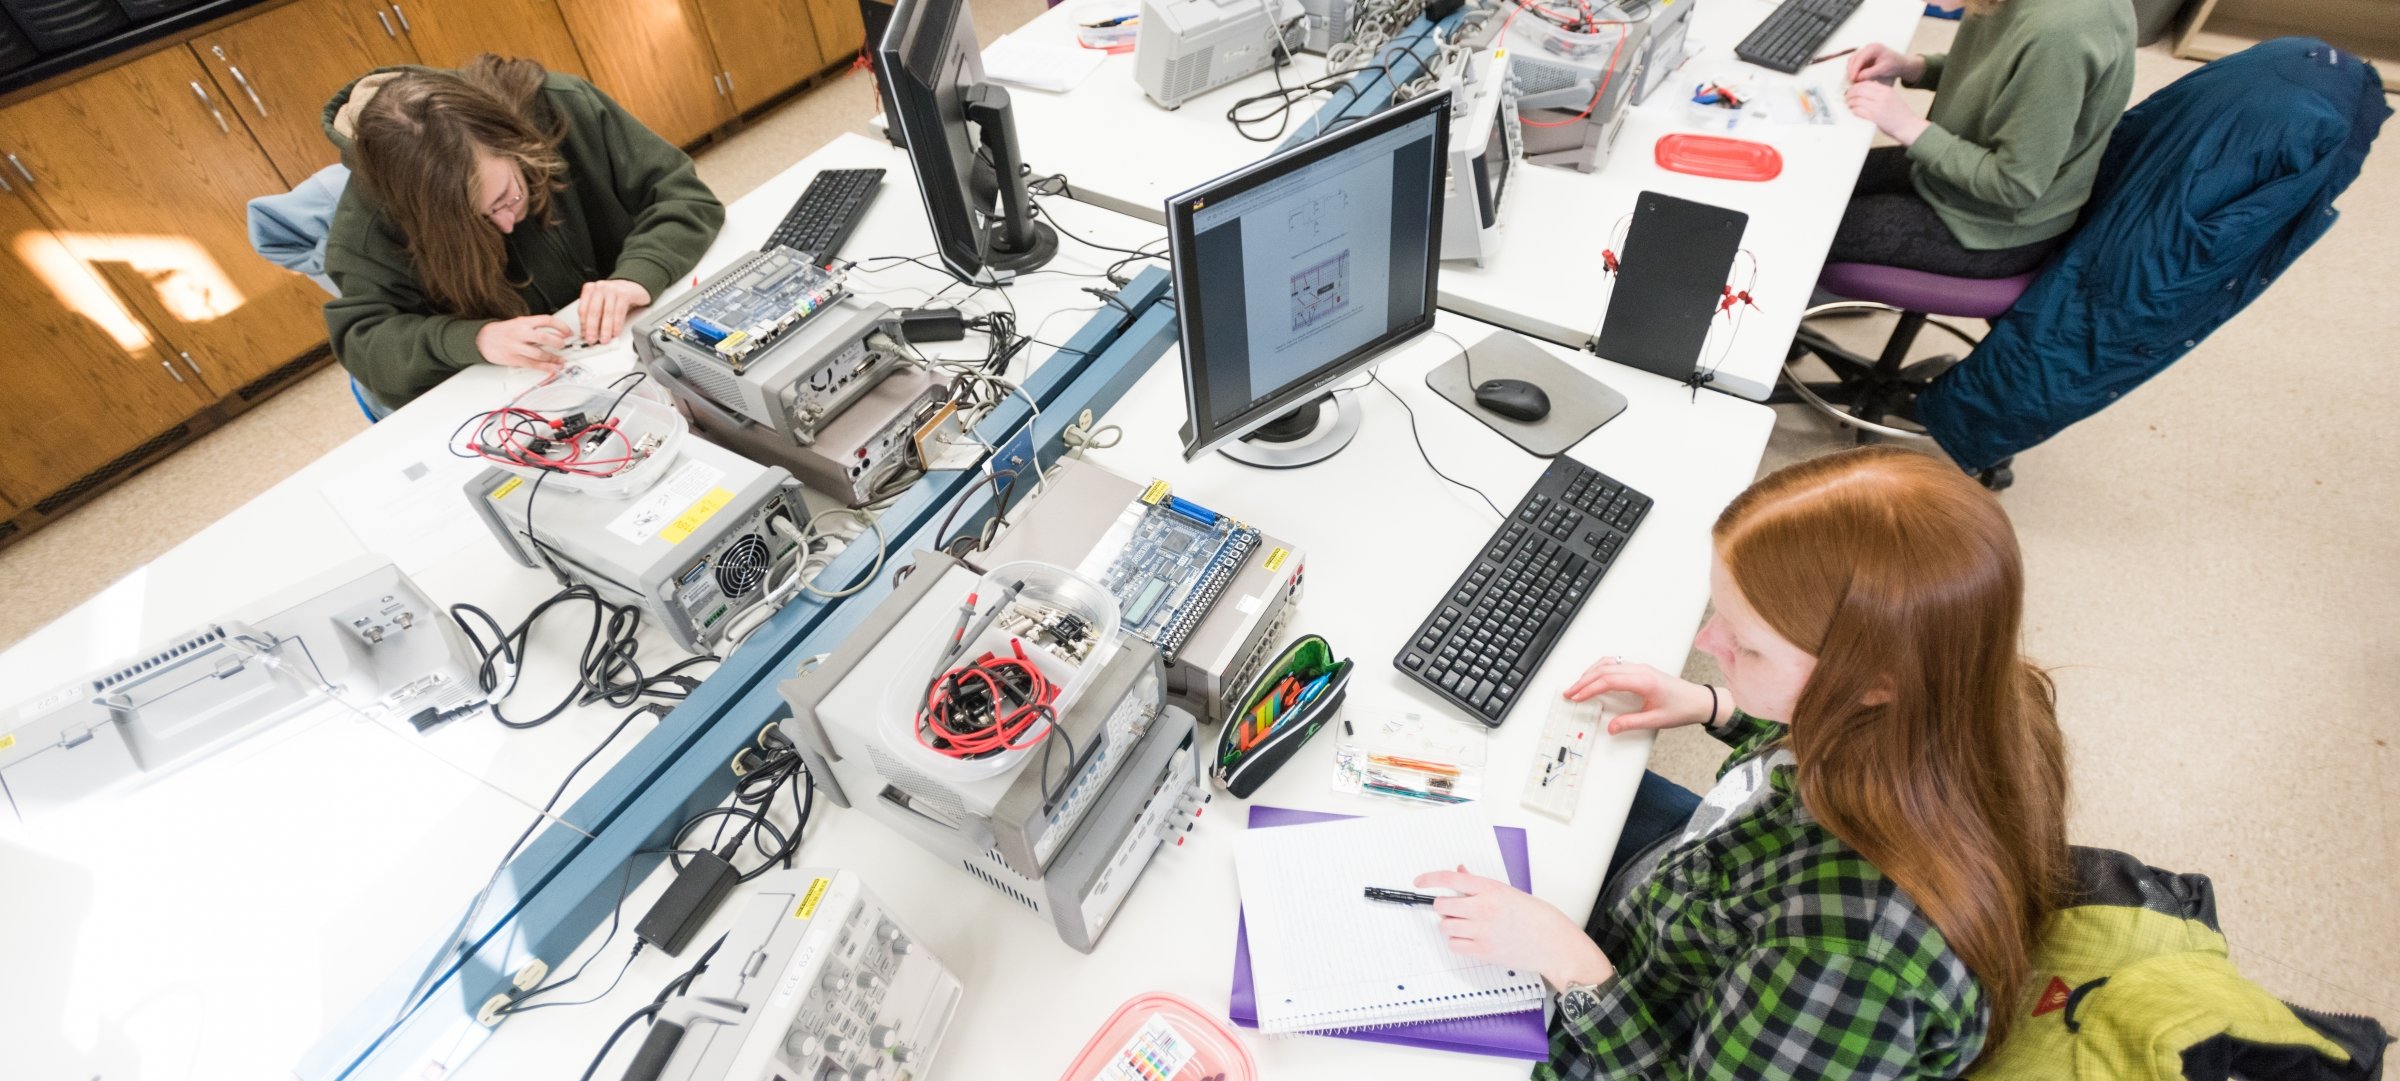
x,y
1903,578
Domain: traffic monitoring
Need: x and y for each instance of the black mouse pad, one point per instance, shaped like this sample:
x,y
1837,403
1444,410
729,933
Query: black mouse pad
x,y
1579,404
1670,277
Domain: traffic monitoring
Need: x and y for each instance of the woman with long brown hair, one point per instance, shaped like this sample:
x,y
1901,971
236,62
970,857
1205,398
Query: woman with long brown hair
x,y
1861,893
484,199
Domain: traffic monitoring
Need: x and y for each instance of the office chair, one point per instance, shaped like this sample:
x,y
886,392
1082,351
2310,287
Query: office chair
x,y
2207,192
1864,393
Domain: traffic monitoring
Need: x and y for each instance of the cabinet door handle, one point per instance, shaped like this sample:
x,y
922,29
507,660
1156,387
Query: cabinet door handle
x,y
403,16
210,104
718,81
188,362
4,186
21,170
170,367
729,84
239,81
385,18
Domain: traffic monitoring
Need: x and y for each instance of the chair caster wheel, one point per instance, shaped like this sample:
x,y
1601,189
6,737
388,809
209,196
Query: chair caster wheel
x,y
1997,478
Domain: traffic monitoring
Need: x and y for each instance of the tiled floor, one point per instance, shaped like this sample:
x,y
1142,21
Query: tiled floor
x,y
2214,569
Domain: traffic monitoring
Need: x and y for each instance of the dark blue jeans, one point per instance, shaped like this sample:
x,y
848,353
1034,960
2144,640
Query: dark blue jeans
x,y
1660,807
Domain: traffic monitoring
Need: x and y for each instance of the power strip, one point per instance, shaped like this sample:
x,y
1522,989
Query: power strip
x,y
1569,736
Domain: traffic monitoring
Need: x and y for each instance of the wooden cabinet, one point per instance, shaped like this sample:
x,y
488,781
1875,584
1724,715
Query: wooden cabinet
x,y
651,57
765,46
142,174
841,30
278,68
448,33
86,379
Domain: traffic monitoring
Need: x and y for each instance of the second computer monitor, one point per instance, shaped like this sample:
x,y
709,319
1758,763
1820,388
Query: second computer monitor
x,y
1301,269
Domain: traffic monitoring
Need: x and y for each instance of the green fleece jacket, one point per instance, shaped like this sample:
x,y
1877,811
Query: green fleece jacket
x,y
632,209
2023,106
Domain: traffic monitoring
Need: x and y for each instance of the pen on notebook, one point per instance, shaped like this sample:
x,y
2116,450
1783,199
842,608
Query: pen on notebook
x,y
1398,897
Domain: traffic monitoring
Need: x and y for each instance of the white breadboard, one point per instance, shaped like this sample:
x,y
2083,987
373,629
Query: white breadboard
x,y
1555,785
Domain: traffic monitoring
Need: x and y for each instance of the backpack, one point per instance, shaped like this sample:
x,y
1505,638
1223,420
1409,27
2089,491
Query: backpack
x,y
2132,982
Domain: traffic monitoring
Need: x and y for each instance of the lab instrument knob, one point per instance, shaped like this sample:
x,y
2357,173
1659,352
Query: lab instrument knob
x,y
884,1035
899,947
834,1042
901,1055
830,981
868,981
800,1044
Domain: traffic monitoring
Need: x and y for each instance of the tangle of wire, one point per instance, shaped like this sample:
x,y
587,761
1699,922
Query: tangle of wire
x,y
606,671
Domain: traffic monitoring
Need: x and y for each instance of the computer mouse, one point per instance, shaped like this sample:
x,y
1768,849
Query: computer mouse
x,y
1515,399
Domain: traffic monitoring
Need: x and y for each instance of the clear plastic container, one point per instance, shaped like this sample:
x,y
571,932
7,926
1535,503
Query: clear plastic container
x,y
1107,25
1045,586
1593,51
1161,1037
645,420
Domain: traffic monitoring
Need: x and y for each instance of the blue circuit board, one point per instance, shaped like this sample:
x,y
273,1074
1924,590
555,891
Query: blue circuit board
x,y
1174,565
745,307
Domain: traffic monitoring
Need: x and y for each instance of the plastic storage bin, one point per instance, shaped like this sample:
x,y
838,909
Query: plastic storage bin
x,y
1124,17
58,25
16,50
1160,1037
1045,586
145,10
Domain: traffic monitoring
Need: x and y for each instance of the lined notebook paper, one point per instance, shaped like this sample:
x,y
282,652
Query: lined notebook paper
x,y
1324,958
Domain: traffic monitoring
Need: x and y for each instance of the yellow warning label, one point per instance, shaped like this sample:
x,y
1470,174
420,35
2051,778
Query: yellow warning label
x,y
1275,558
1158,491
808,901
8,741
502,491
695,516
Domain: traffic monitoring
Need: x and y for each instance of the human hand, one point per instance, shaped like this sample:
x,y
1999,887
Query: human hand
x,y
1493,921
1667,701
604,305
1877,62
528,341
1881,105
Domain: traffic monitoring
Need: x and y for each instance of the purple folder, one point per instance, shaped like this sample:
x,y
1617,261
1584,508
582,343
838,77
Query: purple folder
x,y
1507,1035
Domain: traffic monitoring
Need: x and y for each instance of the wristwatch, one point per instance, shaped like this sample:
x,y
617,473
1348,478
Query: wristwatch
x,y
1580,1001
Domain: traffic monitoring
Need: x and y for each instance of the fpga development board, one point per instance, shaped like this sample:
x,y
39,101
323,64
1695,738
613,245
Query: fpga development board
x,y
818,980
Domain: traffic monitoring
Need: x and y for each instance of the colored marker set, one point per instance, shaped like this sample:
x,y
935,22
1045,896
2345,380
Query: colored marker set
x,y
1293,697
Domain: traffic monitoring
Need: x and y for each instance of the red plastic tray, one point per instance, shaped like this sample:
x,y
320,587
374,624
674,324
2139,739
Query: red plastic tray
x,y
1719,157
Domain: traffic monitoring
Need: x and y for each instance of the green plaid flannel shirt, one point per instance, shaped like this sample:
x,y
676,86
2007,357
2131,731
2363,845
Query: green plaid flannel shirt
x,y
1768,949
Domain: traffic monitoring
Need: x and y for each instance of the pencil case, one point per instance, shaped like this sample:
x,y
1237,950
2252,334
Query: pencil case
x,y
1241,768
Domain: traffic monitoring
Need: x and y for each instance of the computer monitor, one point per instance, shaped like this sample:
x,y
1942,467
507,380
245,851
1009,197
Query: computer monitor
x,y
1299,270
961,141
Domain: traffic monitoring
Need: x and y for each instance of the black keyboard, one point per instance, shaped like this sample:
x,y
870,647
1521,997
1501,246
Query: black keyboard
x,y
1496,625
1788,39
822,218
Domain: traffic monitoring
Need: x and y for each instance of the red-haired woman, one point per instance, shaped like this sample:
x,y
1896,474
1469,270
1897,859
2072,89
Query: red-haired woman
x,y
1861,893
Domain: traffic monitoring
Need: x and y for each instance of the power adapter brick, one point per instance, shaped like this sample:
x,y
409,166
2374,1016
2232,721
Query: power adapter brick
x,y
687,904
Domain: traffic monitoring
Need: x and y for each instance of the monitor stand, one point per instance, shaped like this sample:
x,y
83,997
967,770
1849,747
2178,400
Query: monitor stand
x,y
1311,432
1014,242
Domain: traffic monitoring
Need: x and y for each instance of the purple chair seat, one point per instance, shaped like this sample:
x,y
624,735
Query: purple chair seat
x,y
1918,291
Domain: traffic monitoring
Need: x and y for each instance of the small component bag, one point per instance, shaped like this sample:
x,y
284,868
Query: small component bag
x,y
1292,698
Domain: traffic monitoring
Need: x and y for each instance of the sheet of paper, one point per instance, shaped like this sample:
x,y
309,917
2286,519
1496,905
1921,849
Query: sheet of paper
x,y
410,506
1042,65
1326,958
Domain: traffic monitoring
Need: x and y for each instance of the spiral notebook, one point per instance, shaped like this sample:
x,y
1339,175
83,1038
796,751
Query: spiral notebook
x,y
1323,958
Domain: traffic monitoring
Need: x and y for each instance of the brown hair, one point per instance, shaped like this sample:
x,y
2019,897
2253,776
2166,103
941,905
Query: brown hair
x,y
1903,578
414,148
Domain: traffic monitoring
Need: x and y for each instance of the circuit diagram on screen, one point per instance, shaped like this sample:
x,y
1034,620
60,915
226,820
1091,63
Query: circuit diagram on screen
x,y
1314,217
1321,291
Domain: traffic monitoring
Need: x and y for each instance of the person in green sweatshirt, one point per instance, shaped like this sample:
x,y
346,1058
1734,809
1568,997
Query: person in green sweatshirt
x,y
483,200
1990,182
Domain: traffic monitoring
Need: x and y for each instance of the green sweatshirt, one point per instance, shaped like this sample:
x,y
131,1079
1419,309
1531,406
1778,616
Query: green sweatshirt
x,y
2023,106
633,209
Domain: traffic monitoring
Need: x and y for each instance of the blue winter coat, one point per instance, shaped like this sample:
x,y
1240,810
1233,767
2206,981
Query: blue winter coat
x,y
2208,190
